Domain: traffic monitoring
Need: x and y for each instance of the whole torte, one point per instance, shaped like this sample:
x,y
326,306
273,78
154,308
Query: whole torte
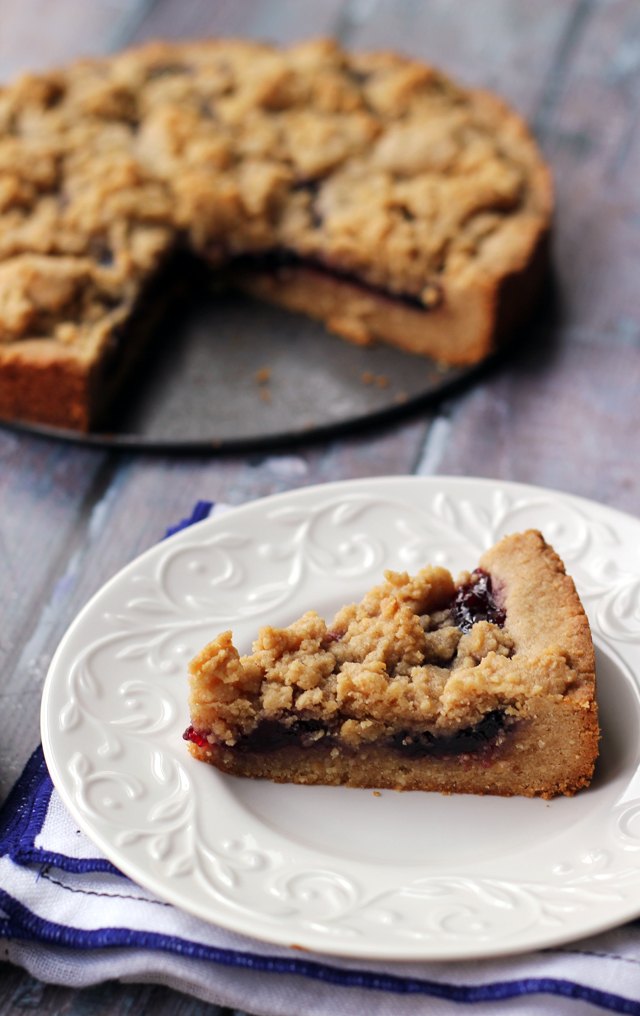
x,y
365,189
484,686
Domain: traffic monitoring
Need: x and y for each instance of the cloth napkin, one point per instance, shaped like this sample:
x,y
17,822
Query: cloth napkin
x,y
70,917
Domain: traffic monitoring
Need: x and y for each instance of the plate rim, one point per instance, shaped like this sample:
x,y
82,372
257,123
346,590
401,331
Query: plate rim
x,y
471,950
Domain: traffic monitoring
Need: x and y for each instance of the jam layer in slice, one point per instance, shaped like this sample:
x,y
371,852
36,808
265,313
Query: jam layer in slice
x,y
271,736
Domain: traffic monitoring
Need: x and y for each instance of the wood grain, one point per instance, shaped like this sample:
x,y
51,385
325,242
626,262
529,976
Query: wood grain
x,y
508,46
20,993
279,21
594,145
45,490
36,34
566,418
565,412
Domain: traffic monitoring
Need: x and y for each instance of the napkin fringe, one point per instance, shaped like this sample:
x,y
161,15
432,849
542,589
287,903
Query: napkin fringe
x,y
22,817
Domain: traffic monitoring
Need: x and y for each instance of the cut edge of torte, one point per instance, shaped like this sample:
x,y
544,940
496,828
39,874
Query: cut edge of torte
x,y
483,686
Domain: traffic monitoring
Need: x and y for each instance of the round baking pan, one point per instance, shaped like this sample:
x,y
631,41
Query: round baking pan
x,y
228,372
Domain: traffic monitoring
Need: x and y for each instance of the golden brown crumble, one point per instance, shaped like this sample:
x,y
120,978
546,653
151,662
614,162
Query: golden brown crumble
x,y
396,661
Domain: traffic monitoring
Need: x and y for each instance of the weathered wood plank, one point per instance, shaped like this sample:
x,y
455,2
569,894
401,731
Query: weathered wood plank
x,y
35,34
506,45
567,419
44,492
566,415
594,144
19,992
273,20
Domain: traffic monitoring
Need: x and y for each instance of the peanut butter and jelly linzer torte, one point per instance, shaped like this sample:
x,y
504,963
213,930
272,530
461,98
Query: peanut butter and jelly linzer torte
x,y
484,686
364,189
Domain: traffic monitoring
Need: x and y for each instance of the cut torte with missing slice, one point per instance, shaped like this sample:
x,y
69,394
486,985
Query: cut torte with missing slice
x,y
364,189
484,686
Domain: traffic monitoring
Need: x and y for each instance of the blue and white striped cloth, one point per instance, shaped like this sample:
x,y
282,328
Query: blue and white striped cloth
x,y
69,917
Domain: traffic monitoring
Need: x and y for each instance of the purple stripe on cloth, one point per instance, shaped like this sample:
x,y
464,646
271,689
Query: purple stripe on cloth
x,y
22,818
28,926
199,513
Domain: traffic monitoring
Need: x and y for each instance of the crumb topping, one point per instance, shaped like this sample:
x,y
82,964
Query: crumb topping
x,y
395,662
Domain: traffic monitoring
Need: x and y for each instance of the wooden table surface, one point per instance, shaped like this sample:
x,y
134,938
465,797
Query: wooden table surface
x,y
563,411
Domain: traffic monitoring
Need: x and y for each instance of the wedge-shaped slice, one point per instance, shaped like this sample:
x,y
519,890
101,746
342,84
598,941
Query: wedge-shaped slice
x,y
486,686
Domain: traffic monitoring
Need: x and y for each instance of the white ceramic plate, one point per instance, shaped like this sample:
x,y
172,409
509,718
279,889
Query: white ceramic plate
x,y
399,876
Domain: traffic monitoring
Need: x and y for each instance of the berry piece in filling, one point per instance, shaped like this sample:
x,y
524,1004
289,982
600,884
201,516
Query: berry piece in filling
x,y
474,601
192,735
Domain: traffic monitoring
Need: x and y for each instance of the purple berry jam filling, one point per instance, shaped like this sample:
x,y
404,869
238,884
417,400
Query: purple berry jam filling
x,y
463,742
283,258
270,735
475,602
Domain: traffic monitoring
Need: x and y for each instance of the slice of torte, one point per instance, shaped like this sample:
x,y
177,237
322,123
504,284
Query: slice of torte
x,y
482,686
